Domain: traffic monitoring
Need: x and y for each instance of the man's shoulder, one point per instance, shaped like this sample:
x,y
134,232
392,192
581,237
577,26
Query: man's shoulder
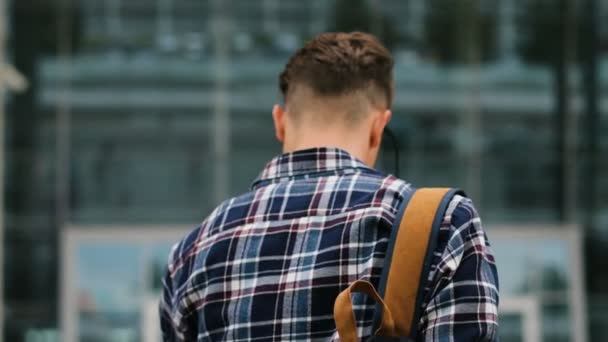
x,y
460,210
460,228
461,233
461,216
229,212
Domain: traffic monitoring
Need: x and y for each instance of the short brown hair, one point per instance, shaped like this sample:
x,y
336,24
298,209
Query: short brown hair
x,y
337,63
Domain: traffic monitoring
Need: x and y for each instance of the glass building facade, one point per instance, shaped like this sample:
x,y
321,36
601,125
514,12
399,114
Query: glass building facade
x,y
142,115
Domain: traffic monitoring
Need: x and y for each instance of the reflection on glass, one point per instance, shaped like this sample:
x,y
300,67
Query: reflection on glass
x,y
532,266
555,323
116,284
538,267
511,328
109,286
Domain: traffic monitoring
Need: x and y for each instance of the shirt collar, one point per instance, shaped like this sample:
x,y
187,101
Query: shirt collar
x,y
308,162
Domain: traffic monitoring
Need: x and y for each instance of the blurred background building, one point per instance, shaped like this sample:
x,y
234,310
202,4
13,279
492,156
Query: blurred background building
x,y
141,115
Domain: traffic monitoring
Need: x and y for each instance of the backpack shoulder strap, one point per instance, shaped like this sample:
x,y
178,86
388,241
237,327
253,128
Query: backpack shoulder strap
x,y
406,269
409,256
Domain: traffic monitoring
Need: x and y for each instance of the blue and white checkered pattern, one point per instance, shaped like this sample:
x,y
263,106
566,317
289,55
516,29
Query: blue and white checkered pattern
x,y
269,264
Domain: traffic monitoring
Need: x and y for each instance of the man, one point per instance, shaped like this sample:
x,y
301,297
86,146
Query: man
x,y
268,265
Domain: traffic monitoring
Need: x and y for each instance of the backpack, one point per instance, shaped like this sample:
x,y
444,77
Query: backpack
x,y
406,269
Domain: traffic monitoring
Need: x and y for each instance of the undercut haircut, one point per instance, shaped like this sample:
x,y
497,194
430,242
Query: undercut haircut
x,y
339,67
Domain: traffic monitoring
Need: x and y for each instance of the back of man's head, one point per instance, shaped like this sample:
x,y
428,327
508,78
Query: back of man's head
x,y
338,74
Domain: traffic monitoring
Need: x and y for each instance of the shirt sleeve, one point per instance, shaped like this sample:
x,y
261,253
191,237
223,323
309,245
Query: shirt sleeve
x,y
174,320
462,296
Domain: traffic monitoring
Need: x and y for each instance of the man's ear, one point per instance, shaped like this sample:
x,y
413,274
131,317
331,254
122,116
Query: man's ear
x,y
380,121
278,116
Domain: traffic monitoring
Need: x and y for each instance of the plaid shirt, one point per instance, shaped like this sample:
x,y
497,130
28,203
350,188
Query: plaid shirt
x,y
269,264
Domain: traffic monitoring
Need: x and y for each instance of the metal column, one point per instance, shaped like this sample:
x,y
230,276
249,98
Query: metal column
x,y
2,156
9,79
221,109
